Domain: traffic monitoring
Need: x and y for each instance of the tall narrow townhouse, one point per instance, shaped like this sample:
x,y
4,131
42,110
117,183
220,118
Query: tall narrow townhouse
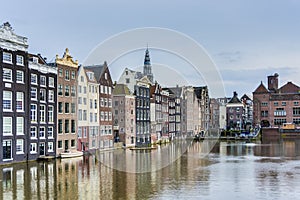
x,y
124,115
13,96
103,77
43,107
88,111
67,103
156,112
142,93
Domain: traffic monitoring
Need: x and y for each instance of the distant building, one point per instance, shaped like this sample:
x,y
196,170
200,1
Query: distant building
x,y
156,112
234,110
67,103
142,93
103,77
14,97
43,107
124,115
247,112
88,111
130,77
275,106
214,105
176,95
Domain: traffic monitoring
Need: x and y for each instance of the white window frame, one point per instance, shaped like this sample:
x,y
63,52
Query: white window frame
x,y
33,91
33,113
20,60
42,132
20,126
33,79
50,147
20,76
33,132
50,114
7,126
43,93
43,81
50,131
33,149
7,97
51,82
7,55
51,95
42,113
7,75
20,146
20,102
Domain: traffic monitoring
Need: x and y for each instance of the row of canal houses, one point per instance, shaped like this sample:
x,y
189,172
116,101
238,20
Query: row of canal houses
x,y
49,108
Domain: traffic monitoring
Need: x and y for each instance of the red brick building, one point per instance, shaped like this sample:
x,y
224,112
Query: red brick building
x,y
275,106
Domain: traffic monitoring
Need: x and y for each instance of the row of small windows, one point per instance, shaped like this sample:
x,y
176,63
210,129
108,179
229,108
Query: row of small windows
x,y
7,58
42,95
41,133
276,103
8,126
66,73
60,144
69,107
7,101
66,124
8,76
42,81
82,116
45,114
67,90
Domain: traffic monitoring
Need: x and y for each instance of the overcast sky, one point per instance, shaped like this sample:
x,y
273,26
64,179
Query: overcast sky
x,y
247,40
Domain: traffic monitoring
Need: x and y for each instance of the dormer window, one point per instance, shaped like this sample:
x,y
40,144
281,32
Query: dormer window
x,y
90,75
35,59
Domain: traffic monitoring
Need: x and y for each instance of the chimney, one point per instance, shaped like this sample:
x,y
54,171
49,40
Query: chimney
x,y
273,82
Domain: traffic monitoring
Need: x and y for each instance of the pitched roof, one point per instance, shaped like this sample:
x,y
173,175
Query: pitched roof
x,y
235,98
97,69
121,89
289,87
261,89
245,97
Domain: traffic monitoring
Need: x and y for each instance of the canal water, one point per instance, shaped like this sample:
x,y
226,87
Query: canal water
x,y
231,170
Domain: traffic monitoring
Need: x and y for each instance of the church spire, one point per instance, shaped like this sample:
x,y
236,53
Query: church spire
x,y
147,57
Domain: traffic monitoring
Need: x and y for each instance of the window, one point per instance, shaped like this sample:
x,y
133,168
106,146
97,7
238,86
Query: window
x,y
73,91
7,150
20,76
50,114
80,114
84,89
20,126
84,101
50,146
81,78
283,103
19,146
102,115
73,108
59,144
101,89
67,107
51,82
33,132
67,75
79,131
73,75
91,117
264,113
73,126
33,148
20,101
42,132
7,101
43,80
296,111
20,60
60,89
279,121
33,79
7,126
42,113
91,104
101,102
95,104
84,115
79,89
67,124
33,113
60,126
109,103
42,95
127,80
96,117
279,112
7,75
51,96
116,103
109,116
72,143
67,90
264,104
105,76
7,57
79,100
60,107
33,93
50,132
296,103
60,72
109,90
275,103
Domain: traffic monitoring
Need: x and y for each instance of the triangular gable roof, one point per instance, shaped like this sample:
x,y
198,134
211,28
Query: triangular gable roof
x,y
245,97
121,89
97,69
234,99
261,89
289,87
